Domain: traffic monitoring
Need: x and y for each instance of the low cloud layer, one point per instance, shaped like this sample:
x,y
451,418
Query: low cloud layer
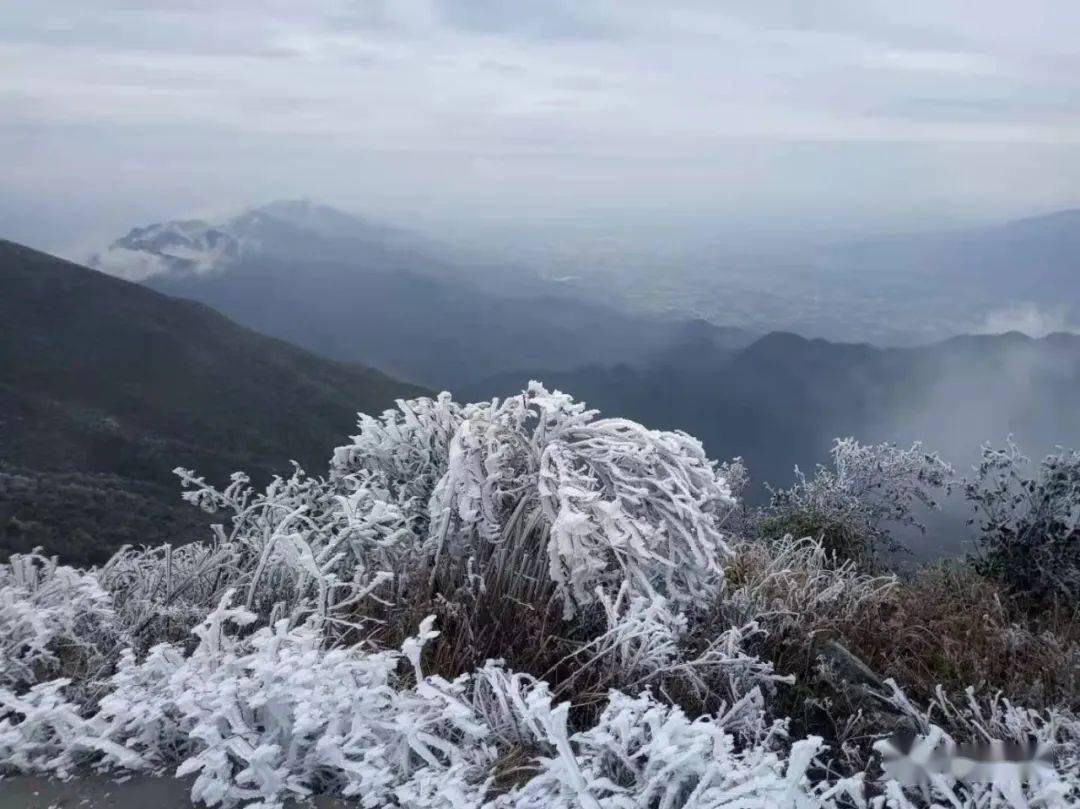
x,y
832,114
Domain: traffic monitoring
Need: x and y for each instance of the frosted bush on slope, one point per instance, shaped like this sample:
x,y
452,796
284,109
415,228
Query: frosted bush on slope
x,y
305,545
54,620
536,482
851,504
1029,522
604,500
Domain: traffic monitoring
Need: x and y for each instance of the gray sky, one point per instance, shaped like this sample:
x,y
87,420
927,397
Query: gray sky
x,y
478,115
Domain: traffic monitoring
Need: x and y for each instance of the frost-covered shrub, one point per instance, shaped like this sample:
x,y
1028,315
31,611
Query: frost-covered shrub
x,y
534,498
54,621
506,519
644,753
601,501
1029,520
160,593
303,546
852,505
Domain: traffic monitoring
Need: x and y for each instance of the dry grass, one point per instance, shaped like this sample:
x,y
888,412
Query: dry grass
x,y
498,604
513,769
501,603
799,591
946,626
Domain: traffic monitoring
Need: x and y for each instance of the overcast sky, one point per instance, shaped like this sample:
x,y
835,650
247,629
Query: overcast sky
x,y
466,115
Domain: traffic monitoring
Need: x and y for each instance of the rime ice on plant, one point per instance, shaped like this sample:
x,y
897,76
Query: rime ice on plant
x,y
257,659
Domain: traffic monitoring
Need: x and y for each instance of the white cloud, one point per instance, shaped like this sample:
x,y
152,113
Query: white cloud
x,y
131,265
1028,318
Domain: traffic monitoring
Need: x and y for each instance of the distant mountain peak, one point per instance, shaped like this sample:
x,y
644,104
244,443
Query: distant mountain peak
x,y
195,246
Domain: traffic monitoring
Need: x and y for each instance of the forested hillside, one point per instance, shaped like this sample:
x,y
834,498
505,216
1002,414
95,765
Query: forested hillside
x,y
106,386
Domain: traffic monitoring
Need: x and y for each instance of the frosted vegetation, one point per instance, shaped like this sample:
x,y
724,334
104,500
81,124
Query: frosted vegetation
x,y
521,604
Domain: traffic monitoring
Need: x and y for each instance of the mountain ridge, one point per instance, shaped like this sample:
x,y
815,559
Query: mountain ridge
x,y
383,297
101,376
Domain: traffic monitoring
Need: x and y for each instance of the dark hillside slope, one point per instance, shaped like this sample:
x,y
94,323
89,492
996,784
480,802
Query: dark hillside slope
x,y
437,330
105,383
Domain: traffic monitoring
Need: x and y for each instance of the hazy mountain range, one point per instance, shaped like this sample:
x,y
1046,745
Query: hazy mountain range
x,y
906,289
357,292
106,385
1034,259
